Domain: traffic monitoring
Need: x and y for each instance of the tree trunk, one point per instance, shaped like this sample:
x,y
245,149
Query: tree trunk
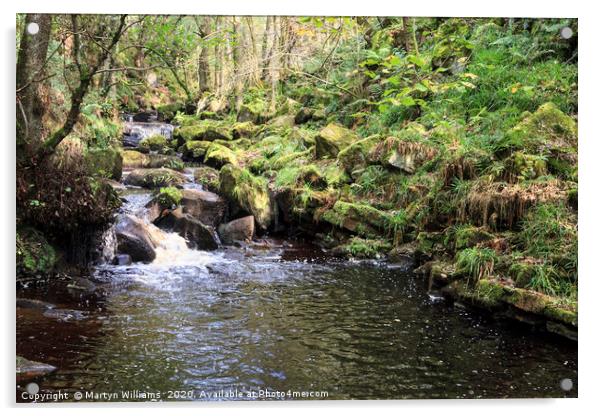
x,y
274,65
203,60
264,65
32,88
236,59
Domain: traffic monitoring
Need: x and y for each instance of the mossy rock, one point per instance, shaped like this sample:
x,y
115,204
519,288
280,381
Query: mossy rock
x,y
195,150
104,162
332,139
34,254
358,218
154,143
208,177
207,130
155,178
247,192
547,130
470,236
362,248
253,112
133,159
218,155
355,157
284,121
306,137
169,111
169,197
244,129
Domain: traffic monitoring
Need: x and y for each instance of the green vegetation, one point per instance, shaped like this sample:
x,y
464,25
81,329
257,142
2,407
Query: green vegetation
x,y
169,197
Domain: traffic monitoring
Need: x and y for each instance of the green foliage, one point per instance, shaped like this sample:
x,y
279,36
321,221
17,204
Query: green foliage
x,y
169,197
34,253
477,263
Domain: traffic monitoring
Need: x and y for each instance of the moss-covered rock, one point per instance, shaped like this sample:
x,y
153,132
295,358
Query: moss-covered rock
x,y
133,159
355,157
167,112
285,121
155,178
244,129
253,112
469,236
104,162
195,150
546,130
358,218
34,254
248,192
155,143
332,139
218,155
207,130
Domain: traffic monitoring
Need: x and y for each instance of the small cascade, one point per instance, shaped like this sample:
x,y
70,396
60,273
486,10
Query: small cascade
x,y
135,131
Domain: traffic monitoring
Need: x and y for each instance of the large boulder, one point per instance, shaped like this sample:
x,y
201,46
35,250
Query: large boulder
x,y
197,234
155,178
205,206
248,193
134,238
332,139
241,229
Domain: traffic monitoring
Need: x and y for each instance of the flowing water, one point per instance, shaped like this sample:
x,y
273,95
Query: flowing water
x,y
278,320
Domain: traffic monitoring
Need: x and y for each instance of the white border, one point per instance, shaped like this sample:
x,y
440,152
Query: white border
x,y
590,127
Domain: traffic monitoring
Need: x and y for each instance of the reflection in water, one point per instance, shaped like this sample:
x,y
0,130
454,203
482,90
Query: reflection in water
x,y
248,319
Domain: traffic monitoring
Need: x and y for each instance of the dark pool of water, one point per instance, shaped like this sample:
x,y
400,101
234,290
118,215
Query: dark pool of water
x,y
270,320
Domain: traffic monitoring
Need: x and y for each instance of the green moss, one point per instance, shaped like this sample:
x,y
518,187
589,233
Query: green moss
x,y
332,139
364,248
546,129
169,197
218,156
169,111
354,158
208,130
104,162
135,159
195,150
359,218
155,143
249,192
34,254
244,129
466,236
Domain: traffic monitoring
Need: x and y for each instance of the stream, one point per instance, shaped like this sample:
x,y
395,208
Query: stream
x,y
277,317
